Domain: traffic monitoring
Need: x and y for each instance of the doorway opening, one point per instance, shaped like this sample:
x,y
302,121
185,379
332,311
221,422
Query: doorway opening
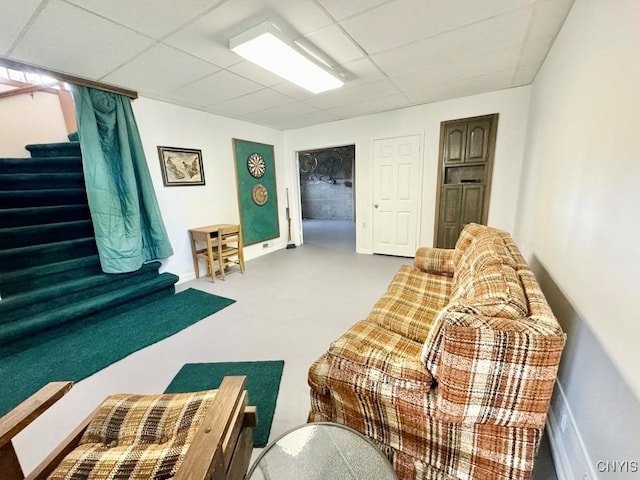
x,y
327,196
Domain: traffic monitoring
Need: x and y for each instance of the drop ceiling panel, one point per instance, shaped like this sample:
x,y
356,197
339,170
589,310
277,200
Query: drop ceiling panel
x,y
469,67
499,32
340,9
215,89
283,115
535,51
548,17
15,16
413,22
155,18
525,74
361,93
253,102
253,72
177,51
91,46
335,44
463,88
159,69
379,104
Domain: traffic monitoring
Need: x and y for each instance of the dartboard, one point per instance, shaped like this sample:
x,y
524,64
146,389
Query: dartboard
x,y
256,165
259,194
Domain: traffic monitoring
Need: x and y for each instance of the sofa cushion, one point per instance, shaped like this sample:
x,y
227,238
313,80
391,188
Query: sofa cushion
x,y
116,440
486,281
495,292
375,348
411,302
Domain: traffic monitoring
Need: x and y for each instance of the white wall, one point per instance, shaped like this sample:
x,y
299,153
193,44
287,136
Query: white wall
x,y
216,202
578,219
30,118
582,205
512,105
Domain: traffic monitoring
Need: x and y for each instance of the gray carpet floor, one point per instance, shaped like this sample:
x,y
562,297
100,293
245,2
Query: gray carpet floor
x,y
289,306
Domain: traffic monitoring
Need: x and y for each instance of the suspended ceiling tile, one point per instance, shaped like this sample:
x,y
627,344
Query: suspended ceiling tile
x,y
155,18
308,119
380,104
361,93
254,72
333,43
463,88
548,17
469,67
525,74
254,102
90,47
340,9
15,16
285,114
215,89
160,69
360,71
477,39
293,91
535,51
414,21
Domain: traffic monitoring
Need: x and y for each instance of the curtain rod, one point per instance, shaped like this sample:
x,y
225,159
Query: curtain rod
x,y
66,78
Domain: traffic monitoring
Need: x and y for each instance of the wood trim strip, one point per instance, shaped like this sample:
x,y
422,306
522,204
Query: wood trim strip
x,y
67,78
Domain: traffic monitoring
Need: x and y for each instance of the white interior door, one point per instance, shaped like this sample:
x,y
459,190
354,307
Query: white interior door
x,y
396,195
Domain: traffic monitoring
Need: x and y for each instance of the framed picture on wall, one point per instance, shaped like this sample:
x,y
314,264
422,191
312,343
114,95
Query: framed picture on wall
x,y
181,166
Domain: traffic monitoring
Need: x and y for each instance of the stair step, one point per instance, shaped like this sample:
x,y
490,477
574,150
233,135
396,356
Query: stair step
x,y
47,233
42,198
41,164
110,303
27,279
35,255
59,294
23,217
41,181
62,149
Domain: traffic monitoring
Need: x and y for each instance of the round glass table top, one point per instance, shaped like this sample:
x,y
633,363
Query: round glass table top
x,y
321,451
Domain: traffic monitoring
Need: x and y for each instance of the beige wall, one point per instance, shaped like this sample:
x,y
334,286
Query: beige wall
x,y
578,218
29,118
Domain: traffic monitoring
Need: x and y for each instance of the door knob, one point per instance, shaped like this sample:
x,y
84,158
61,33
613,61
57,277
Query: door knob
x,y
375,205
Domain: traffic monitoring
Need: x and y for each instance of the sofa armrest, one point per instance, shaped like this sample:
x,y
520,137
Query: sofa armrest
x,y
434,260
497,371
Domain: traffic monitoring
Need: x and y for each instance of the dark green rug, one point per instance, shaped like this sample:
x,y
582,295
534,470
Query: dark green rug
x,y
77,351
263,383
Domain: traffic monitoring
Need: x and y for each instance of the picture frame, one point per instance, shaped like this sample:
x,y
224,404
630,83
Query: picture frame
x,y
181,166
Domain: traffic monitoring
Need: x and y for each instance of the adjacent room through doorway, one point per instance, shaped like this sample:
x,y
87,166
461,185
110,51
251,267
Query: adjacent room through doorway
x,y
327,194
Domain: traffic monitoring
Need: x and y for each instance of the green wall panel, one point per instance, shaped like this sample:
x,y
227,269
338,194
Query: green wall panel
x,y
259,221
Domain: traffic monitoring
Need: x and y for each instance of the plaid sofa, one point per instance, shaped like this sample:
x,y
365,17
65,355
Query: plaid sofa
x,y
452,371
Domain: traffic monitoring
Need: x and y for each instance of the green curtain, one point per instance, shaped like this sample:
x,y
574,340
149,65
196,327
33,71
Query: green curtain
x,y
126,218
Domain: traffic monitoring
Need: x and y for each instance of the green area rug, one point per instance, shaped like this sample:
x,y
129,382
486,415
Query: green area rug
x,y
75,351
263,383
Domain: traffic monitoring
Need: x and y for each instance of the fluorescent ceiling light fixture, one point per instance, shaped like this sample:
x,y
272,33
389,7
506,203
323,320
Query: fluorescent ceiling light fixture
x,y
266,46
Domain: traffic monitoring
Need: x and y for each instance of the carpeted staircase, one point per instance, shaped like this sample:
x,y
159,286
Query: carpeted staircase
x,y
49,268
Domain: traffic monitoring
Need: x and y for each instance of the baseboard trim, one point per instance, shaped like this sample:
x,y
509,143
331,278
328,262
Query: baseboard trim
x,y
570,456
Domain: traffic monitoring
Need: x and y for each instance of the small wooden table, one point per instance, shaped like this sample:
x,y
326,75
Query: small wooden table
x,y
205,234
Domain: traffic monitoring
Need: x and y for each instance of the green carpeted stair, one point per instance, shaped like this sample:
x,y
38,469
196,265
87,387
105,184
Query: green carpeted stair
x,y
49,268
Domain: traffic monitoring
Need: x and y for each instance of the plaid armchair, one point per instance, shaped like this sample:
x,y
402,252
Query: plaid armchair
x,y
452,371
